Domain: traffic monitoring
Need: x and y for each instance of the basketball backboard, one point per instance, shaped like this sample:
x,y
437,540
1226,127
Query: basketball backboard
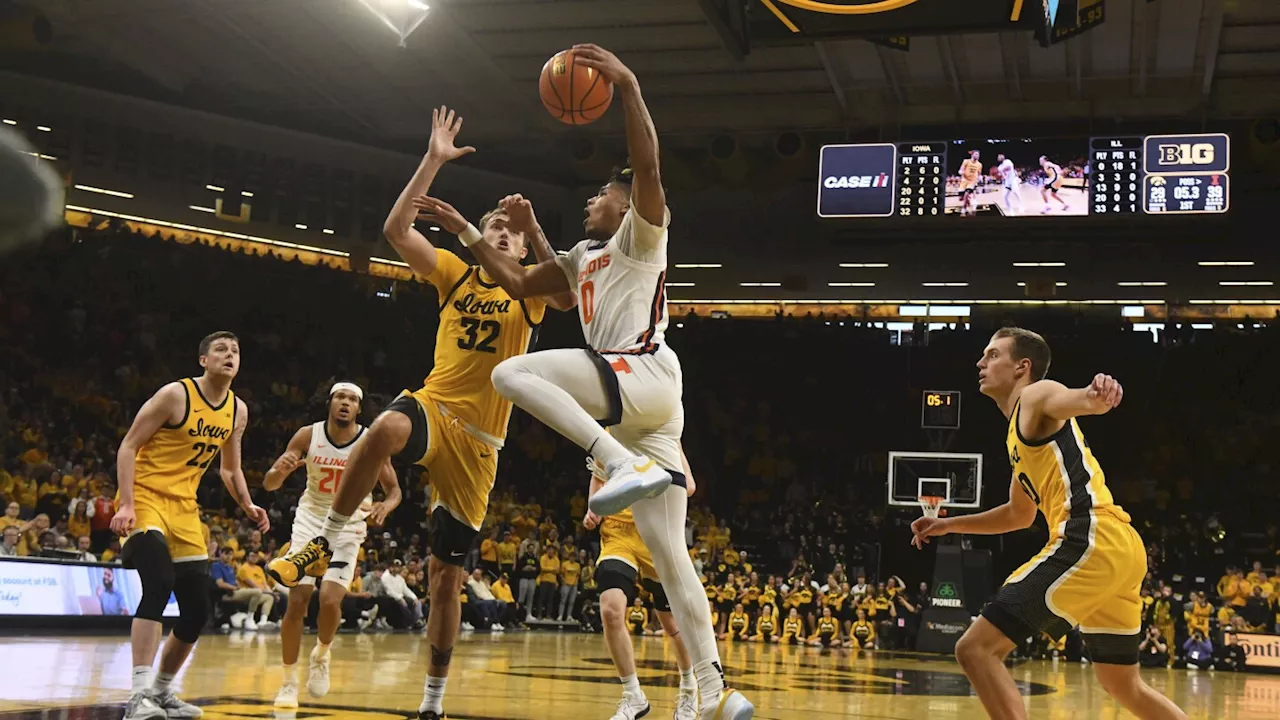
x,y
956,477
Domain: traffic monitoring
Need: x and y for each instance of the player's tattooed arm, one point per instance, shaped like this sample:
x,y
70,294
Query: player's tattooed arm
x,y
232,473
521,218
520,282
291,459
412,245
647,196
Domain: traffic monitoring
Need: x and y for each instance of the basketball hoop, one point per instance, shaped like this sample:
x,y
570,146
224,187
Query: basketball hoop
x,y
931,505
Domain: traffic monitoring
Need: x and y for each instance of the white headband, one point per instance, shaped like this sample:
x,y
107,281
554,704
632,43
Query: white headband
x,y
349,387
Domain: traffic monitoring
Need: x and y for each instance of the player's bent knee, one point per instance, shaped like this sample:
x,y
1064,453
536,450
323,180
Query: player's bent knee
x,y
504,375
191,589
389,432
148,553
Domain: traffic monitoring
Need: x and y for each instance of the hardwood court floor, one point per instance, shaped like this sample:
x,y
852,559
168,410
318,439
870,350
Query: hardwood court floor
x,y
544,676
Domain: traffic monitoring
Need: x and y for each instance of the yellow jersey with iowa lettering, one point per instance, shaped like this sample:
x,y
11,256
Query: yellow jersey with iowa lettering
x,y
480,326
1061,475
172,462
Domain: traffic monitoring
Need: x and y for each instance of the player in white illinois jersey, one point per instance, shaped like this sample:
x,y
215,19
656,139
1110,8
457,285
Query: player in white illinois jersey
x,y
629,379
1011,182
323,447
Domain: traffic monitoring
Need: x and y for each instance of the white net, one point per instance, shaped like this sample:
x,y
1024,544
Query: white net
x,y
931,505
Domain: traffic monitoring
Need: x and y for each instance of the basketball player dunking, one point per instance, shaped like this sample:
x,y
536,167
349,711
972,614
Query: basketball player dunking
x,y
1011,183
324,447
624,560
175,436
970,170
455,424
1090,573
629,378
1052,183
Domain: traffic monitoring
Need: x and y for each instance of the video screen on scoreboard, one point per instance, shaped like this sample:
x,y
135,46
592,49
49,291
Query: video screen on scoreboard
x,y
1017,177
35,587
1026,177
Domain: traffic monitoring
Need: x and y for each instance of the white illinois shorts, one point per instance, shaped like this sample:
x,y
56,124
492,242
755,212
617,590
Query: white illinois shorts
x,y
346,548
646,408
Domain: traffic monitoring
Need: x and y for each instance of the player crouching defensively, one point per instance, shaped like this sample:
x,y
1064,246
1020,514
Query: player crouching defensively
x,y
323,448
1090,573
624,559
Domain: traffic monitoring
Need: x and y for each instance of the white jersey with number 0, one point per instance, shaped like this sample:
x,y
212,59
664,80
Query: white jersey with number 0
x,y
620,283
1009,174
326,461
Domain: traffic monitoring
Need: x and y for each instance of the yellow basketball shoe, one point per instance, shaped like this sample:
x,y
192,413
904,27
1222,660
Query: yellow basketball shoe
x,y
311,560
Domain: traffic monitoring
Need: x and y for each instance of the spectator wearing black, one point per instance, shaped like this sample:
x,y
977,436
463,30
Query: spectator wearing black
x,y
1256,611
527,573
1230,655
1153,651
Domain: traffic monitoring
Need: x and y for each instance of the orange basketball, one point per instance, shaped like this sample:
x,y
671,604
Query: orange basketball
x,y
574,94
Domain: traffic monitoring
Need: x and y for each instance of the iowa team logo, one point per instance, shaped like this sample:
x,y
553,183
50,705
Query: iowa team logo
x,y
848,7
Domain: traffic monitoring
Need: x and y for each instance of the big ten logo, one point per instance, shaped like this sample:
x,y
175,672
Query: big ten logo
x,y
1186,154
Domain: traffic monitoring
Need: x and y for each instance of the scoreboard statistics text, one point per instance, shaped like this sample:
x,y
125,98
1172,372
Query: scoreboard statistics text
x,y
1017,177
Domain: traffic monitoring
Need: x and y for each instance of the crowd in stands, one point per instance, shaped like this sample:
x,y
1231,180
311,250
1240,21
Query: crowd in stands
x,y
789,528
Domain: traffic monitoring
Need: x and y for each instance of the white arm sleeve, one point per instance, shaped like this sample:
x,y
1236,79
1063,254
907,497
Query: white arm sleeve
x,y
640,240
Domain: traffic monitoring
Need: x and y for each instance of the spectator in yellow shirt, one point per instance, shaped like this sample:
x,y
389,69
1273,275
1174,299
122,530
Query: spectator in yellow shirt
x,y
10,517
251,576
507,553
548,577
570,574
502,590
489,553
637,617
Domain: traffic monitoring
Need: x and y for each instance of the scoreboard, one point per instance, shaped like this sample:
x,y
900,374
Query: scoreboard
x,y
1019,177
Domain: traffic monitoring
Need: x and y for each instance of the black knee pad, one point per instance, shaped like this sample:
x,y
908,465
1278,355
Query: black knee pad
x,y
148,553
191,588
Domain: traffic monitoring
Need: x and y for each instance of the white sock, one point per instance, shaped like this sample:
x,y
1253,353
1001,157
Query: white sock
x,y
631,684
322,649
291,674
555,407
710,682
334,521
433,695
141,678
687,681
162,682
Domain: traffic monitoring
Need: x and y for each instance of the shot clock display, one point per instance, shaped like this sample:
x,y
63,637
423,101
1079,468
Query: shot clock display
x,y
940,409
1026,177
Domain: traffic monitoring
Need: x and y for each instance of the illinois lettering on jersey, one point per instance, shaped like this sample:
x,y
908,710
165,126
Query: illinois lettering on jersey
x,y
172,462
480,326
621,286
1060,474
326,461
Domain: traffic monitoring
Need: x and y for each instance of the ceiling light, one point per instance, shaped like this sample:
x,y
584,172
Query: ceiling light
x,y
945,284
434,228
103,191
215,188
761,284
1057,284
7,121
1250,283
246,193
1039,264
300,226
680,284
851,284
697,266
864,265
327,231
1225,263
202,209
1142,283
47,157
1133,311
44,128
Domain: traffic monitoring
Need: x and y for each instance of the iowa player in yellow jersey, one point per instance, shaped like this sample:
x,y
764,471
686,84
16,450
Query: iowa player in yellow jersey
x,y
970,171
624,563
174,438
454,425
1090,573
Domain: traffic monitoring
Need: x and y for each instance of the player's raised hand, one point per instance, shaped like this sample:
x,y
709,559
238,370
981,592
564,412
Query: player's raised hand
x,y
519,210
441,212
122,522
287,463
924,528
1105,392
608,64
445,126
259,517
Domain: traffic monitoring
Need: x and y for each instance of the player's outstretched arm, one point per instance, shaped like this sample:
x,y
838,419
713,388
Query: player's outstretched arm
x,y
292,457
232,473
520,282
1057,401
521,218
1016,514
168,405
647,196
412,245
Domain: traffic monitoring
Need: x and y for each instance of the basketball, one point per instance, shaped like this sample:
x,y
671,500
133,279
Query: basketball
x,y
573,94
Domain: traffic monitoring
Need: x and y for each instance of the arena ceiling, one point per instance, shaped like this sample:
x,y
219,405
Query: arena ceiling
x,y
331,67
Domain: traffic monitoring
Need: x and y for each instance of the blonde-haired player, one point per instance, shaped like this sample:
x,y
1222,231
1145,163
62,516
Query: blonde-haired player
x,y
174,438
1090,573
324,447
624,562
1052,183
454,425
970,170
